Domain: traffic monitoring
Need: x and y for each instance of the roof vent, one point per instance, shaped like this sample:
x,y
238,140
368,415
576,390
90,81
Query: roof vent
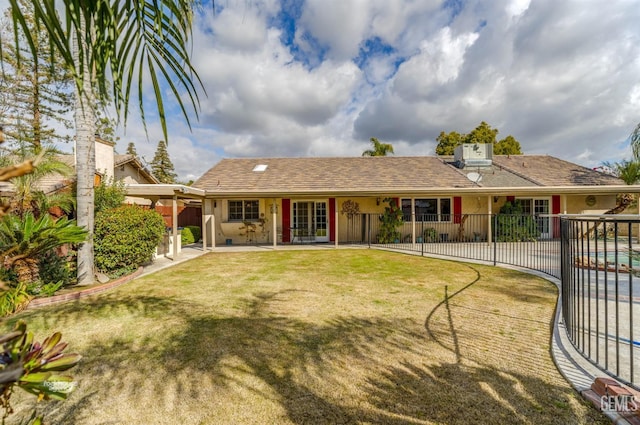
x,y
474,155
260,168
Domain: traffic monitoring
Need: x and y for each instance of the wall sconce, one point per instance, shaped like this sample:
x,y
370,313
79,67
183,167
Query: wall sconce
x,y
377,201
274,208
495,199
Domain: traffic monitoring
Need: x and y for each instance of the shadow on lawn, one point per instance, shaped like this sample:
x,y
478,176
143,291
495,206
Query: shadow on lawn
x,y
402,377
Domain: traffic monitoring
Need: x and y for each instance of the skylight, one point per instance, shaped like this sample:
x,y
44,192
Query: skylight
x,y
260,168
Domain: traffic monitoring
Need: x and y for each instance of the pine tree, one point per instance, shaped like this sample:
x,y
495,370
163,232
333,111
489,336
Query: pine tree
x,y
161,166
131,149
37,94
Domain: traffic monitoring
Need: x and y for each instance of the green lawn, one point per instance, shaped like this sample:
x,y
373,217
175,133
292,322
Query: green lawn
x,y
317,337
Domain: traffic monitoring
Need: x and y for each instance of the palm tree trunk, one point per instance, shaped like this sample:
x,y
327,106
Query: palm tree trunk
x,y
85,165
27,270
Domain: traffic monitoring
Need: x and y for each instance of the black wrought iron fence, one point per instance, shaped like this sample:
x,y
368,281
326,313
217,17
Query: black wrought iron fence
x,y
601,291
597,259
522,240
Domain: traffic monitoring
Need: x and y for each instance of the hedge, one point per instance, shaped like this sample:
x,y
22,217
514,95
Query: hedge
x,y
126,238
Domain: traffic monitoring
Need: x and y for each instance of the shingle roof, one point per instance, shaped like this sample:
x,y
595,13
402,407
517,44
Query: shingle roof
x,y
388,174
545,170
331,174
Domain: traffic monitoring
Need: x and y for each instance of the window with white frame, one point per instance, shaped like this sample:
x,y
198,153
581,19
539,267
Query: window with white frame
x,y
245,210
428,209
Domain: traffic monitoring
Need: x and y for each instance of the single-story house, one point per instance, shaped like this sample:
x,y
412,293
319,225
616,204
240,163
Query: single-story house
x,y
280,200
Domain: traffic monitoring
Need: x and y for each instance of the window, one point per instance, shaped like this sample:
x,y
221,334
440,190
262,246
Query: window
x,y
429,209
247,210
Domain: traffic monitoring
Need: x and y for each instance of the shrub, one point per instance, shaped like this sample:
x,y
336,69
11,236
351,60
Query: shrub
x,y
25,240
513,225
389,222
109,195
186,237
126,238
14,299
195,231
56,268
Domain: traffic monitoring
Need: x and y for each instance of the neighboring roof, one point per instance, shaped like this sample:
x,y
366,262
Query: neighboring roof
x,y
54,182
389,175
119,160
313,175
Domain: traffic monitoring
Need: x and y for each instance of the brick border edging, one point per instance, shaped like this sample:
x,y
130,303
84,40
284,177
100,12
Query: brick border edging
x,y
59,299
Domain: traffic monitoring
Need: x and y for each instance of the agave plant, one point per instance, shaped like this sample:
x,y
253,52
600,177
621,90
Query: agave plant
x,y
35,367
23,241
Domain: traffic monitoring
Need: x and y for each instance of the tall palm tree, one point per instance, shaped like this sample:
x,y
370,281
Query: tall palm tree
x,y
112,45
379,148
635,142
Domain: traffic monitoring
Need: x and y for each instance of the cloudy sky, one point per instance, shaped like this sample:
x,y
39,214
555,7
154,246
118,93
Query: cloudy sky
x,y
321,77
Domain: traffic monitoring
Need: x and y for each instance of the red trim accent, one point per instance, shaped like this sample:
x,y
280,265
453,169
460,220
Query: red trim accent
x,y
457,209
332,224
511,198
286,220
398,204
555,209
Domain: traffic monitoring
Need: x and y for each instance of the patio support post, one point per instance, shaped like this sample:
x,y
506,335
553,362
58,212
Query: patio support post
x,y
203,219
203,212
413,220
209,222
174,227
489,223
563,200
335,218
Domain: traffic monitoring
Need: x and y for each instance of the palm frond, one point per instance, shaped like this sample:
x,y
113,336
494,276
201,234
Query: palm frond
x,y
127,41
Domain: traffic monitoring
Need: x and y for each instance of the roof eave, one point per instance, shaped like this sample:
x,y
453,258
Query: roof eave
x,y
540,190
164,190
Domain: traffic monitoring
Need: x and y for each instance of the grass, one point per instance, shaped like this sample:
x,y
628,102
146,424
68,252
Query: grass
x,y
317,337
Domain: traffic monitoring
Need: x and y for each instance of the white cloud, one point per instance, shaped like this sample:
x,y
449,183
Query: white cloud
x,y
560,76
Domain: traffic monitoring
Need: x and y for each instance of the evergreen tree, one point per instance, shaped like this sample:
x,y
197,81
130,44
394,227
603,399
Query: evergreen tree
x,y
105,125
107,46
483,133
131,149
161,165
507,146
447,142
37,93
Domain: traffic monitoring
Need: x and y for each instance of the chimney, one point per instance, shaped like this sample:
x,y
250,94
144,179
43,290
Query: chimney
x,y
105,162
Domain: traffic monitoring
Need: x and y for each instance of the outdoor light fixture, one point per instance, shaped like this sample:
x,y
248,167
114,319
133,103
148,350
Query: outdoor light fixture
x,y
377,201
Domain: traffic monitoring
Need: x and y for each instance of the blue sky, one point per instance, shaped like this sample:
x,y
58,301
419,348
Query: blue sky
x,y
320,77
